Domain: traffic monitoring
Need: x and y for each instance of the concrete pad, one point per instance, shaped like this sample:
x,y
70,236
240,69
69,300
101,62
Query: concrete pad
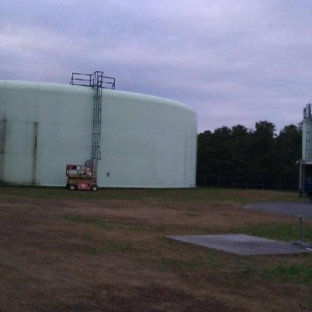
x,y
241,244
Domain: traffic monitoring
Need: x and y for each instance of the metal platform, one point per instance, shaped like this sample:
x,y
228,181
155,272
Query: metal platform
x,y
241,244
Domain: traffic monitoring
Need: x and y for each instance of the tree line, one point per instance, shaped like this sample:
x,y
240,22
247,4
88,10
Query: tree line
x,y
249,154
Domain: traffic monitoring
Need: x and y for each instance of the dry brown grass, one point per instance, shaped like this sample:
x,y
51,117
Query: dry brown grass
x,y
111,254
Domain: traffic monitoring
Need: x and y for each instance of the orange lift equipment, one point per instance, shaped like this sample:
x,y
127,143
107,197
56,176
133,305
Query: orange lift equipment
x,y
81,177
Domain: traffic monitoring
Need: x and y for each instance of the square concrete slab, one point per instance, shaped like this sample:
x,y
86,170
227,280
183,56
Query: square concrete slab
x,y
241,244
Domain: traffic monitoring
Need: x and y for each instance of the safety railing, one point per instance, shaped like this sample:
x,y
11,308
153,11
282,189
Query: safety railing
x,y
88,80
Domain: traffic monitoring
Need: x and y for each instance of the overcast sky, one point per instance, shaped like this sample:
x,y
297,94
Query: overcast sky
x,y
233,61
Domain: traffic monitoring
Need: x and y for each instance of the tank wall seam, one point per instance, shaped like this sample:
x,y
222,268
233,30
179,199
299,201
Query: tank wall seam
x,y
35,154
3,134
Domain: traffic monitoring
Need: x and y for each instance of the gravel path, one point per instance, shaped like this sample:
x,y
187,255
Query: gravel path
x,y
288,209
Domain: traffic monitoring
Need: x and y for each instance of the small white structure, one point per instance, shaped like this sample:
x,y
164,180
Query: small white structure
x,y
307,133
146,141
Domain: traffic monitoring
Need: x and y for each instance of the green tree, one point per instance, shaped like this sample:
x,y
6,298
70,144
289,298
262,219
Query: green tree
x,y
263,154
204,145
245,153
240,146
289,144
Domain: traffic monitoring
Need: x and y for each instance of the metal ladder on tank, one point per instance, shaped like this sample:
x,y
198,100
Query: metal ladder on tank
x,y
98,82
97,118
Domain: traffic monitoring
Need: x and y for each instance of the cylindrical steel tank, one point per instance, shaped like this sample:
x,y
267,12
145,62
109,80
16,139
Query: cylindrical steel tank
x,y
307,133
146,141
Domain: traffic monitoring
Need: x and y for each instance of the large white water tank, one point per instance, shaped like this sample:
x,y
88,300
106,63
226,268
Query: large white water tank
x,y
146,141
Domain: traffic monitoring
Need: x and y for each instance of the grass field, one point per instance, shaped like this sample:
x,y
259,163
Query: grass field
x,y
108,251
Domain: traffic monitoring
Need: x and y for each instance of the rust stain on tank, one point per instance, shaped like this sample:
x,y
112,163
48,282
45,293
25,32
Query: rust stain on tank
x,y
35,154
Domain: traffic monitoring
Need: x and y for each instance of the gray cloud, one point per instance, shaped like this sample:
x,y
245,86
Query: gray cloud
x,y
234,62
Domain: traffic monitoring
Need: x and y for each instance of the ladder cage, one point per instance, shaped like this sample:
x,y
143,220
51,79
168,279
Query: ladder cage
x,y
97,81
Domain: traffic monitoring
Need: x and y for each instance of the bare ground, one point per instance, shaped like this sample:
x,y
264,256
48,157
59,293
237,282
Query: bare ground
x,y
113,255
